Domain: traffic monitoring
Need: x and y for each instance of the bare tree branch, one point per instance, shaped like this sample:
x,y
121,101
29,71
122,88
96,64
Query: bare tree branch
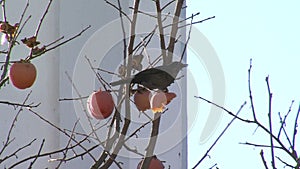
x,y
168,4
250,91
203,20
8,137
285,163
42,18
161,30
119,9
60,44
31,105
219,137
270,123
39,152
295,128
263,159
174,31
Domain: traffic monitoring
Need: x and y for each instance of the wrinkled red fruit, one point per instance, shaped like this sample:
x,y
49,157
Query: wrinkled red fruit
x,y
100,104
144,100
141,100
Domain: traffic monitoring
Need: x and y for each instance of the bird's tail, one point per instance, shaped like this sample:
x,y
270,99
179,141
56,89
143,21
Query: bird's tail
x,y
119,82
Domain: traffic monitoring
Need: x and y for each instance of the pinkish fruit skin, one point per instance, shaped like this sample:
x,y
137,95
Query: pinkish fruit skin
x,y
100,104
158,102
145,100
154,164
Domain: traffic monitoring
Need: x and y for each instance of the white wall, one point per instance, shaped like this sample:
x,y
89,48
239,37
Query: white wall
x,y
44,90
67,18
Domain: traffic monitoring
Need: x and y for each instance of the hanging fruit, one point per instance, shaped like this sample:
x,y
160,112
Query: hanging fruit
x,y
22,74
154,164
100,104
141,99
144,100
159,100
170,97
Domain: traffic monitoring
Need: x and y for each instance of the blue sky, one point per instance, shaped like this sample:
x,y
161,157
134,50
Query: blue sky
x,y
267,32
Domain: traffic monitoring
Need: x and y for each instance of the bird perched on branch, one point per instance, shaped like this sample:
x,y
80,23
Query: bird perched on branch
x,y
154,78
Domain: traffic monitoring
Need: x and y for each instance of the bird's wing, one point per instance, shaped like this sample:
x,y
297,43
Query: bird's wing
x,y
122,81
153,79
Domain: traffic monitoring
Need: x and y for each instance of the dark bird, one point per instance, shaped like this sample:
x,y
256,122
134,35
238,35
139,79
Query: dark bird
x,y
154,78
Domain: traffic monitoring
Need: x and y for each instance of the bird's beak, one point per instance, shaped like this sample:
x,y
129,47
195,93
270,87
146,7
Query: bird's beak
x,y
184,65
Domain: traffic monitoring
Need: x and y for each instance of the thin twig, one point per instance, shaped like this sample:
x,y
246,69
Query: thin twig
x,y
168,4
106,71
261,145
19,30
147,39
295,129
270,123
285,163
42,18
137,130
183,20
145,13
76,156
78,143
55,41
119,9
18,150
229,112
31,105
60,44
142,43
133,150
100,79
263,159
250,91
8,140
283,121
203,20
71,99
215,165
287,137
188,39
37,156
49,154
219,137
67,145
